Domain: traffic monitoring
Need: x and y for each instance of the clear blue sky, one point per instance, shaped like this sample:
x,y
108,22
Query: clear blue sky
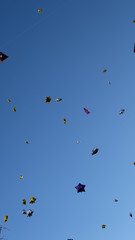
x,y
62,53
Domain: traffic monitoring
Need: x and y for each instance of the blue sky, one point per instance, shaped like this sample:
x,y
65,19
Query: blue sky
x,y
62,53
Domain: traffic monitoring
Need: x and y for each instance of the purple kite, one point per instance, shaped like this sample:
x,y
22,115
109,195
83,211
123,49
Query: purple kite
x,y
86,110
80,188
3,57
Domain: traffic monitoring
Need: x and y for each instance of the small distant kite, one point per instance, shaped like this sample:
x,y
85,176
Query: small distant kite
x,y
115,200
78,141
133,163
48,99
27,142
131,215
14,109
39,10
86,110
29,213
105,70
21,176
9,100
64,120
103,226
3,57
5,218
32,200
109,82
80,188
24,201
133,21
134,47
121,111
58,99
94,151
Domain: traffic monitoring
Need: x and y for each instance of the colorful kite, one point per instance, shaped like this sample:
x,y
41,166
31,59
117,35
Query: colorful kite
x,y
14,109
86,110
105,70
80,188
39,10
48,99
3,57
5,218
32,200
9,100
24,201
103,226
64,120
21,176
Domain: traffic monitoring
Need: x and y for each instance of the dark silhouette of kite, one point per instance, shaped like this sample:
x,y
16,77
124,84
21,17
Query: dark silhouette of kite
x,y
131,215
3,57
86,110
94,151
121,111
80,188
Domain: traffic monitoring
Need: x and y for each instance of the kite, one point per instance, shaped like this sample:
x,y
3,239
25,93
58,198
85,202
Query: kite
x,y
21,176
26,142
3,57
133,21
134,163
105,70
64,120
121,111
86,110
80,188
78,141
14,109
115,200
134,47
103,226
94,151
24,201
5,218
39,10
109,82
58,99
24,212
32,200
29,213
9,100
131,215
48,99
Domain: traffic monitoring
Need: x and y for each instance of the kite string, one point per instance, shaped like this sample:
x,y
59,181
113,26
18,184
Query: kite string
x,y
33,26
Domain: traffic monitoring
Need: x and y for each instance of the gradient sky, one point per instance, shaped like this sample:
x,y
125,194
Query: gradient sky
x,y
62,53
